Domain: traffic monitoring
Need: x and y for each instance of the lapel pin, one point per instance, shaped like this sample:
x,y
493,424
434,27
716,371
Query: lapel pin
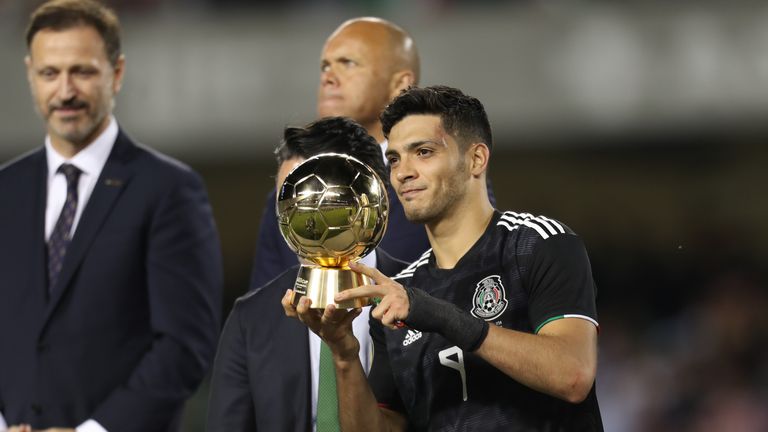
x,y
113,182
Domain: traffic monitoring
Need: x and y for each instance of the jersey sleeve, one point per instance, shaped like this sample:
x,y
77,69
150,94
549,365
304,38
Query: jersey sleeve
x,y
560,283
380,378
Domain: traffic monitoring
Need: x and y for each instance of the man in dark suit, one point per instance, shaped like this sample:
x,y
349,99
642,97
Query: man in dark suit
x,y
110,266
364,64
265,376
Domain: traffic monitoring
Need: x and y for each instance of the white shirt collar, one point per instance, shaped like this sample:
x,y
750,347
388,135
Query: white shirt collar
x,y
370,260
89,160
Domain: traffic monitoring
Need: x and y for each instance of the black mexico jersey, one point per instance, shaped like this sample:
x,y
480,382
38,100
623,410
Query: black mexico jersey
x,y
523,272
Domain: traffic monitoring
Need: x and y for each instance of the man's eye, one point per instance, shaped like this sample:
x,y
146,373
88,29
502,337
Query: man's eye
x,y
85,72
423,152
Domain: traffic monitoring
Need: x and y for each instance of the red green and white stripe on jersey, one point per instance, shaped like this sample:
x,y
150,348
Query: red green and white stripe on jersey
x,y
555,318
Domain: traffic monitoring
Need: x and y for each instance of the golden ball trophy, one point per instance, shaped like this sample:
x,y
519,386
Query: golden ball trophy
x,y
332,209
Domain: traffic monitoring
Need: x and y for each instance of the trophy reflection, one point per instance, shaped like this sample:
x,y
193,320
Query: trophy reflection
x,y
332,209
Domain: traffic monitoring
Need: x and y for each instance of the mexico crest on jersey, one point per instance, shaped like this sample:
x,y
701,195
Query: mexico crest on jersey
x,y
490,299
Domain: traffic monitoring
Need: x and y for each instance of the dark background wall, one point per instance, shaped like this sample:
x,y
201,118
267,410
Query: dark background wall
x,y
640,125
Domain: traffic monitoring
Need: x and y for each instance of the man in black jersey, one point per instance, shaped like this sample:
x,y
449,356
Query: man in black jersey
x,y
494,327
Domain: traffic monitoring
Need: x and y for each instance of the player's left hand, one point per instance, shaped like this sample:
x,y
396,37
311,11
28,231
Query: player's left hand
x,y
394,305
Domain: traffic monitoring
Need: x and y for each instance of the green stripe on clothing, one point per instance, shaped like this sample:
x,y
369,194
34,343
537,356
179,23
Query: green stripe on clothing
x,y
584,317
547,322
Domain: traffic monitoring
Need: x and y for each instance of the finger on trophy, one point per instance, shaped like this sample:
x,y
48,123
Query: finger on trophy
x,y
332,314
372,272
329,311
311,317
363,292
287,302
303,305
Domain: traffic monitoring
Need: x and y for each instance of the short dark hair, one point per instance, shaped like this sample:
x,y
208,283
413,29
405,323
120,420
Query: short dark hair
x,y
66,14
461,115
332,135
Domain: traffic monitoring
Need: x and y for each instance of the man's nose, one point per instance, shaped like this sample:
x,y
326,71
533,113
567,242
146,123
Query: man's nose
x,y
404,172
66,87
328,76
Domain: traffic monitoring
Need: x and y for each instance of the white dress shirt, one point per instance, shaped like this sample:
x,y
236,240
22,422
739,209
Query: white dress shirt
x,y
90,161
359,328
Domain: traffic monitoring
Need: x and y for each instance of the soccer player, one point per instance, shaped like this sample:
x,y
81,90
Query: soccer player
x,y
494,327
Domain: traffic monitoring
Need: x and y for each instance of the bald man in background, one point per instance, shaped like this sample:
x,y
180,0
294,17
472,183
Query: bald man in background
x,y
364,64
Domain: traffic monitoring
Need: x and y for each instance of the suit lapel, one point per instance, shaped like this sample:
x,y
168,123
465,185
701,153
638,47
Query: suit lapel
x,y
278,348
109,186
39,276
293,360
299,351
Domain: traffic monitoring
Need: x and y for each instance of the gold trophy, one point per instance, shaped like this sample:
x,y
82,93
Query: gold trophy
x,y
332,209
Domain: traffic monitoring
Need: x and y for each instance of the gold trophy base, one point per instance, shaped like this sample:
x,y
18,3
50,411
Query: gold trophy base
x,y
321,284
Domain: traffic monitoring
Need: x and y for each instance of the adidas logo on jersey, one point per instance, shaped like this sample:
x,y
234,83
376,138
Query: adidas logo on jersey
x,y
411,337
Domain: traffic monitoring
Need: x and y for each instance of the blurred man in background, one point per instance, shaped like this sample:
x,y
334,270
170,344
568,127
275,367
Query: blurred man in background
x,y
110,266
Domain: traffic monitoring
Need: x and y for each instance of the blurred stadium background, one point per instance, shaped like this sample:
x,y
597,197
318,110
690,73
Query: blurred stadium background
x,y
641,124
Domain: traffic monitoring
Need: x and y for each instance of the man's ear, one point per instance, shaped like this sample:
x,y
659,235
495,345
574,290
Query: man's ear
x,y
400,81
479,155
28,64
119,69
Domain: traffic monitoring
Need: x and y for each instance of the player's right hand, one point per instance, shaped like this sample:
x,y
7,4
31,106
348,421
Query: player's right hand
x,y
334,326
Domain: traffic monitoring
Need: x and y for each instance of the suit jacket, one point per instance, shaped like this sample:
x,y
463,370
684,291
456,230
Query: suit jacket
x,y
403,240
261,376
130,328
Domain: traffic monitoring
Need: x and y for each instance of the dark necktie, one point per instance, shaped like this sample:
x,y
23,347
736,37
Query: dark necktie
x,y
327,400
60,237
